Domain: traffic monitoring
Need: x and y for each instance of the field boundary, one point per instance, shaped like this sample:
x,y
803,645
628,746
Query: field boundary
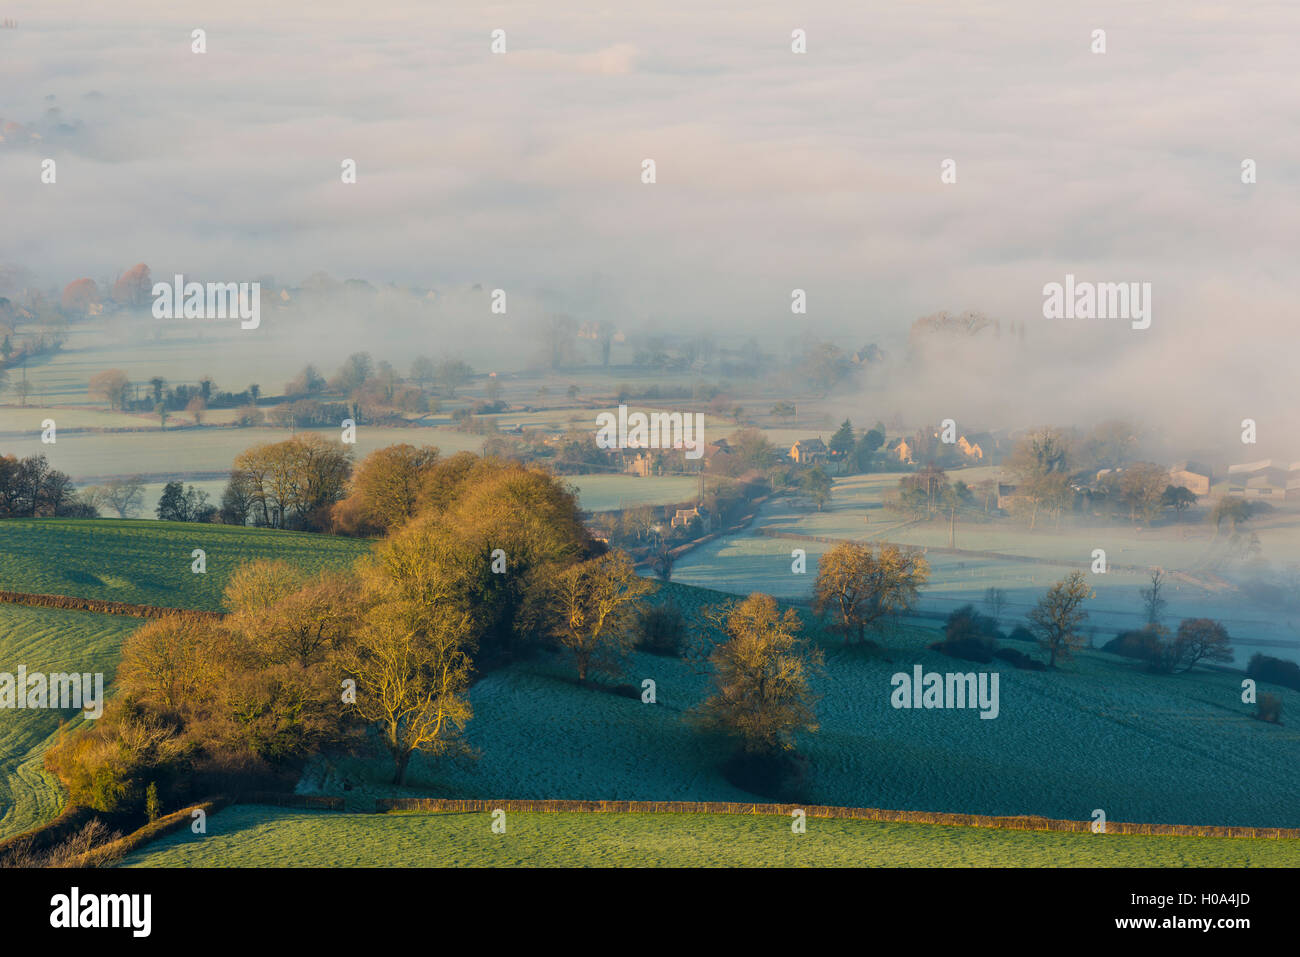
x,y
1015,823
72,603
775,531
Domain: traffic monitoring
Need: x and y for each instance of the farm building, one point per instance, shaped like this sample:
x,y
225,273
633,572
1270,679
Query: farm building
x,y
899,449
809,451
685,516
976,446
1265,480
1196,477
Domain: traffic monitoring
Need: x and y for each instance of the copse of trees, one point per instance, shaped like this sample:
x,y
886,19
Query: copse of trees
x,y
181,504
494,562
385,490
290,484
29,488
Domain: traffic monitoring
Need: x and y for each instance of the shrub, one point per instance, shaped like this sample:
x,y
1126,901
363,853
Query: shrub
x,y
1269,708
1274,671
1021,633
1143,644
661,630
1019,659
969,635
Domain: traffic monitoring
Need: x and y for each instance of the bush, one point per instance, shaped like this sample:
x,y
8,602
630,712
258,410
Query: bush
x,y
1019,659
1274,671
1143,644
1021,633
661,630
1269,708
969,635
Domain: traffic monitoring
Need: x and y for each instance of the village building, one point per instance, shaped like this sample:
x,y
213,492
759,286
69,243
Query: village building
x,y
809,451
1196,477
685,516
900,450
1262,480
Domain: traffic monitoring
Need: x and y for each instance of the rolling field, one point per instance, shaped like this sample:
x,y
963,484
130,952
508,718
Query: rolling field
x,y
1196,588
148,562
46,640
255,836
1100,733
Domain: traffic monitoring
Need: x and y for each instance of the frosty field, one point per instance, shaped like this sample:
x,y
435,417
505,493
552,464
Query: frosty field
x,y
46,640
256,836
754,561
149,562
1100,733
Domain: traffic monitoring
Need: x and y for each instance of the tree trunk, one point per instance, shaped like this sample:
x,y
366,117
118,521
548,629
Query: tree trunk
x,y
400,762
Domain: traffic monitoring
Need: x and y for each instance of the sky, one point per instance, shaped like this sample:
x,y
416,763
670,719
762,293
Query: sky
x,y
774,171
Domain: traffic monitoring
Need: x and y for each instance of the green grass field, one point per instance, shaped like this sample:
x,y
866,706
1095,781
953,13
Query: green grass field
x,y
1099,733
148,562
255,836
46,640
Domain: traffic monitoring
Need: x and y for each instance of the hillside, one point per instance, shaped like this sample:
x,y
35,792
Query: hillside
x,y
257,836
46,640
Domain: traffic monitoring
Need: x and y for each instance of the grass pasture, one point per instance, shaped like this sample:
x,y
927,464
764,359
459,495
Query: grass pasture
x,y
46,640
259,836
149,562
1099,733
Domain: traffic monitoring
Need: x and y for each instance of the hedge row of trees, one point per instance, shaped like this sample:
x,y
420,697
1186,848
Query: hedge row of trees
x,y
29,488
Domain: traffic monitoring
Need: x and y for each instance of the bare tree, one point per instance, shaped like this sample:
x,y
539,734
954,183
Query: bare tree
x,y
1152,600
1058,617
996,599
593,603
124,496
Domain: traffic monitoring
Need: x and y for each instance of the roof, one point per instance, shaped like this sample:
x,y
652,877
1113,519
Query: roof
x,y
810,445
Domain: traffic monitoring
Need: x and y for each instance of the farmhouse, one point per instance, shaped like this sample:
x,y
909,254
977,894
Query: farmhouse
x,y
718,449
809,451
1196,477
899,449
685,516
640,463
972,447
